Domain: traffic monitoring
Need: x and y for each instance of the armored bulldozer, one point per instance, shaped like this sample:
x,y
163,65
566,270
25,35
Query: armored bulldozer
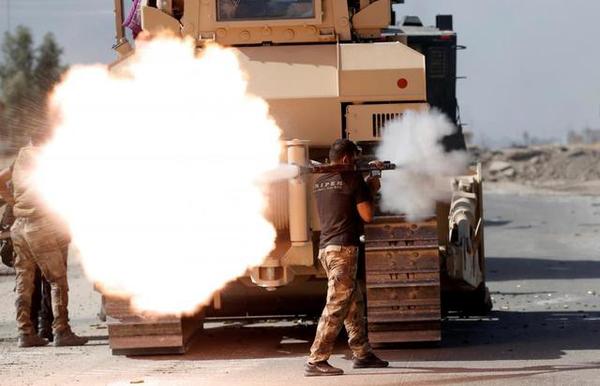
x,y
330,69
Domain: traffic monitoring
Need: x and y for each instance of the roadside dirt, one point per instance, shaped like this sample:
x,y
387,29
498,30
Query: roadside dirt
x,y
543,270
550,168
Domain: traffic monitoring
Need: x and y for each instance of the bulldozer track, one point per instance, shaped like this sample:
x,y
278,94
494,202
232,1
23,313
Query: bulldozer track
x,y
402,269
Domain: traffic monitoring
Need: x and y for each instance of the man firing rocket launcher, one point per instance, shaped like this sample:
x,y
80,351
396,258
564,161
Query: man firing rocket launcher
x,y
344,202
373,168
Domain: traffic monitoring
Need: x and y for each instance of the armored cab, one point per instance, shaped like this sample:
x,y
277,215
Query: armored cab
x,y
330,69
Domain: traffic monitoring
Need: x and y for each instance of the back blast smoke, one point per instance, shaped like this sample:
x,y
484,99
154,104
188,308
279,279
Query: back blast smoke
x,y
155,169
413,142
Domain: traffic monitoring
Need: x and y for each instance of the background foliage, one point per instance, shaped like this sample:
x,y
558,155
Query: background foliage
x,y
27,76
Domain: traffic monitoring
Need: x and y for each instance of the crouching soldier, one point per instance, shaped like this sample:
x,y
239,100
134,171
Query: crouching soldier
x,y
41,241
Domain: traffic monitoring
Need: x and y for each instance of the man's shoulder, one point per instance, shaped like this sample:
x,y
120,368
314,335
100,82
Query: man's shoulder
x,y
25,156
28,149
27,152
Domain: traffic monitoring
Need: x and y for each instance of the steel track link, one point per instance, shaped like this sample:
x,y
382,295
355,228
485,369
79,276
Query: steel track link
x,y
402,267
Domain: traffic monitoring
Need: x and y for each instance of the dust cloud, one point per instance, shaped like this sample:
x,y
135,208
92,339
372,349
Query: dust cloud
x,y
424,176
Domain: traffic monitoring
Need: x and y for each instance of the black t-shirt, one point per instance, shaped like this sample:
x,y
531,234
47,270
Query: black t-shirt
x,y
337,195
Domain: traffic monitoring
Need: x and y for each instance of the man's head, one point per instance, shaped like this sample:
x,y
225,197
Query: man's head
x,y
343,151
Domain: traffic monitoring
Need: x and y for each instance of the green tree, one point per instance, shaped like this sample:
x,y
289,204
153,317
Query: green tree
x,y
18,54
27,76
48,68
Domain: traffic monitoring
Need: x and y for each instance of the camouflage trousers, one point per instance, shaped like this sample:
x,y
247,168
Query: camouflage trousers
x,y
40,243
345,305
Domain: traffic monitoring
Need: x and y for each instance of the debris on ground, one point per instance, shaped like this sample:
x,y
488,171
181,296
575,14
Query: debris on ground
x,y
541,165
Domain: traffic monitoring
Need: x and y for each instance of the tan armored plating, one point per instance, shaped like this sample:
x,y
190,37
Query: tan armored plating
x,y
328,69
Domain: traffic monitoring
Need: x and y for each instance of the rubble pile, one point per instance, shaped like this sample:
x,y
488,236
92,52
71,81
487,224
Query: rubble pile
x,y
541,165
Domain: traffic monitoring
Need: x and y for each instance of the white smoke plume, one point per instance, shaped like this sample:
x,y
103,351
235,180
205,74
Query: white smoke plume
x,y
155,169
424,176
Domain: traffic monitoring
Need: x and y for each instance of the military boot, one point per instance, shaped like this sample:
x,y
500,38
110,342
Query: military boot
x,y
369,362
68,338
321,368
31,340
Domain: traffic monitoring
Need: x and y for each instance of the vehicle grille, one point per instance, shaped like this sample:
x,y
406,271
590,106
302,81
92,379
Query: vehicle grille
x,y
379,121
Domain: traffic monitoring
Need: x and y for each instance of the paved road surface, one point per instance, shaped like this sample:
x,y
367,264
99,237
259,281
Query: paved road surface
x,y
543,272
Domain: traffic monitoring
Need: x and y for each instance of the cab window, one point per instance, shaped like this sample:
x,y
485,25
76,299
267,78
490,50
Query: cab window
x,y
237,10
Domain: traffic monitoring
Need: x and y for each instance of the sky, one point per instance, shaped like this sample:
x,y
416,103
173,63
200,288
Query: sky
x,y
531,65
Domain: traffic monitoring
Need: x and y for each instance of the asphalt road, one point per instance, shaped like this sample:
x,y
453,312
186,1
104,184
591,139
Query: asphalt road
x,y
543,271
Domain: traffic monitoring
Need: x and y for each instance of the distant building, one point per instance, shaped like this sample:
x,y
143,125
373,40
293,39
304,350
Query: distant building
x,y
586,137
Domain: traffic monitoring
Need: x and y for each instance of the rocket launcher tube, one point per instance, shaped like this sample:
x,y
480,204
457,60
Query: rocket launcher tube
x,y
373,169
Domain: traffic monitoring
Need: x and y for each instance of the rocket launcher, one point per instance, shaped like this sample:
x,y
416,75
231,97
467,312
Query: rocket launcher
x,y
373,169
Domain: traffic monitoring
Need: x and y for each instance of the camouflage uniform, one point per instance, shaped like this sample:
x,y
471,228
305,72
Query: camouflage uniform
x,y
41,310
39,244
40,241
345,305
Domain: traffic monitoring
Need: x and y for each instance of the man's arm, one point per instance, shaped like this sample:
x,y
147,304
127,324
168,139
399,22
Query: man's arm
x,y
365,210
364,197
5,193
372,185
